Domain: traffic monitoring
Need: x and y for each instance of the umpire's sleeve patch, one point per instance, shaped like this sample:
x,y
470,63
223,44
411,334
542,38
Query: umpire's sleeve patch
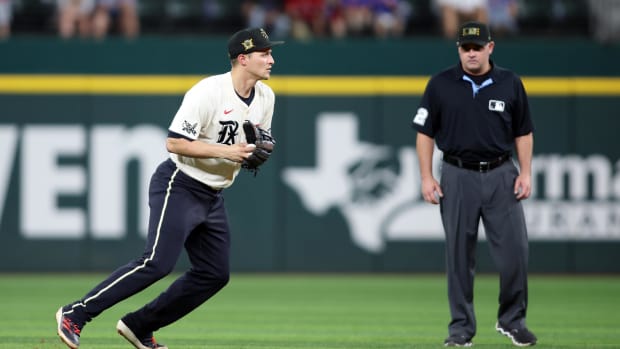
x,y
420,117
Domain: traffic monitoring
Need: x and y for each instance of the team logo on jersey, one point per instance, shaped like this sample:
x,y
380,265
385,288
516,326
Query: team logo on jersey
x,y
420,116
189,128
228,132
496,105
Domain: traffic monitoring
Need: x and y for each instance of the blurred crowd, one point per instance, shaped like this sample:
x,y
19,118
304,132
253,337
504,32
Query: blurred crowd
x,y
70,18
309,19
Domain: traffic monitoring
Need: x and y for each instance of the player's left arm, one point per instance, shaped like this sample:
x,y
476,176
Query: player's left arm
x,y
523,184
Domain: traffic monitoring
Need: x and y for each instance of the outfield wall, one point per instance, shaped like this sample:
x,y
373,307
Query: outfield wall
x,y
82,126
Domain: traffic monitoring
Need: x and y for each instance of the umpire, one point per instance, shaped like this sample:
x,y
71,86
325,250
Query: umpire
x,y
477,113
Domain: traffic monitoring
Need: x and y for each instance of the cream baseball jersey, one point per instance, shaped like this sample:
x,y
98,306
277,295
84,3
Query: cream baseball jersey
x,y
213,113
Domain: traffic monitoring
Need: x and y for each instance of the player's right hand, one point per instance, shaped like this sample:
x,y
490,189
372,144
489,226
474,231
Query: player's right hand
x,y
240,151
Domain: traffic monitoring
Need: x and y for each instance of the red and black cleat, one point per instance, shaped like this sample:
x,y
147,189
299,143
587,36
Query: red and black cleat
x,y
68,330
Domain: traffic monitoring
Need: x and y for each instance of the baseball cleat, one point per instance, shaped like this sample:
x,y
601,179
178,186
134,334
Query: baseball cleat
x,y
456,340
147,342
68,330
520,337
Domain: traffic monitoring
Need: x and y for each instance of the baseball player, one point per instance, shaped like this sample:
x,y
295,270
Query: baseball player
x,y
476,113
207,148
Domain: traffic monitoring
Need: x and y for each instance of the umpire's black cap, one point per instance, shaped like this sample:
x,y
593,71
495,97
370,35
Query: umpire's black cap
x,y
473,33
249,40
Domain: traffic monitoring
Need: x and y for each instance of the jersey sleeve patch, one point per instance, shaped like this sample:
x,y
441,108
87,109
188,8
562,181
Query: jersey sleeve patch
x,y
190,128
185,129
421,116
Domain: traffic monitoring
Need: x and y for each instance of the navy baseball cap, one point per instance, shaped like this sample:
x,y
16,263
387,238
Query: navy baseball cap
x,y
249,40
473,33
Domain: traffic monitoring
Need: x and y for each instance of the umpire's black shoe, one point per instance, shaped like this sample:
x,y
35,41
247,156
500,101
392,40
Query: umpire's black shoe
x,y
521,337
146,342
68,329
457,340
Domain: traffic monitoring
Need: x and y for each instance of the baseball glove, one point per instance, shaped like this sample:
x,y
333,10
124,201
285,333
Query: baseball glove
x,y
264,146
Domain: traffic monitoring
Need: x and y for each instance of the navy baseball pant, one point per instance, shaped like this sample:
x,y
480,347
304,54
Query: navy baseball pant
x,y
184,213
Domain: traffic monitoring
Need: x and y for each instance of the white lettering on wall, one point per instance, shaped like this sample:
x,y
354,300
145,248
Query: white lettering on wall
x,y
60,162
573,172
44,180
112,148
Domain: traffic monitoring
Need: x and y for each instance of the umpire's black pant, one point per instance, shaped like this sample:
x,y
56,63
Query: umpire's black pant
x,y
468,197
184,213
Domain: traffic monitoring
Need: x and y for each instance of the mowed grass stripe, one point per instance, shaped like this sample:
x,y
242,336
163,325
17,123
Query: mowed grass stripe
x,y
326,311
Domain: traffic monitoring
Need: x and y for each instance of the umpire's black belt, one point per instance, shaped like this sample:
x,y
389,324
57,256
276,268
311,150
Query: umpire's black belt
x,y
479,166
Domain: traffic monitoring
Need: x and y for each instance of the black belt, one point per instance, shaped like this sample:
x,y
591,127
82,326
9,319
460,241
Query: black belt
x,y
480,166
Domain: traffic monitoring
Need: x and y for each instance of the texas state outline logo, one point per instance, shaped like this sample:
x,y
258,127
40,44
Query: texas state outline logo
x,y
375,187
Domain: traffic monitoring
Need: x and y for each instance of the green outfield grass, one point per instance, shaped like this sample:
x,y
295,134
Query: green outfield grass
x,y
320,311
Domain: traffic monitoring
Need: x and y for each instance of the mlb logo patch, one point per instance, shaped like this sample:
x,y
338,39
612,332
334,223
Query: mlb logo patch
x,y
496,105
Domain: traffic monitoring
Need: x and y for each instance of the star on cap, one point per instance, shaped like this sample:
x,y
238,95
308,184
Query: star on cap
x,y
248,44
